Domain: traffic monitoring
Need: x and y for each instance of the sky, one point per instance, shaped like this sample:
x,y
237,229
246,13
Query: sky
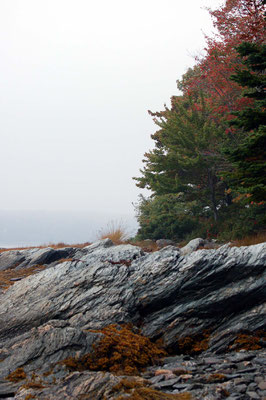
x,y
77,78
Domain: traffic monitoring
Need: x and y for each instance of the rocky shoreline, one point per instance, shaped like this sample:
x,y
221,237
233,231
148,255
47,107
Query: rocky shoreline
x,y
206,308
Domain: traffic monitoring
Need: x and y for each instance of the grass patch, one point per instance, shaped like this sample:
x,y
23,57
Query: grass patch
x,y
250,240
8,274
149,246
116,231
55,246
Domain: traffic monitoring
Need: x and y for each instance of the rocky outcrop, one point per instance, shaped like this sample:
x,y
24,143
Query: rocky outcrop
x,y
172,294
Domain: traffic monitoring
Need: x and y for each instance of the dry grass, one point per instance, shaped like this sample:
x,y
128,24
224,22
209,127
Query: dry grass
x,y
8,274
250,240
55,246
116,231
148,246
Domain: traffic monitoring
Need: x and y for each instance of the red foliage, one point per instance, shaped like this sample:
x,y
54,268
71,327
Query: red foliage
x,y
236,21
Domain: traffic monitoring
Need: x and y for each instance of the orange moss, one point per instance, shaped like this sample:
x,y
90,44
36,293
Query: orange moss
x,y
119,351
30,396
16,376
249,341
216,378
8,274
135,390
33,385
181,371
194,344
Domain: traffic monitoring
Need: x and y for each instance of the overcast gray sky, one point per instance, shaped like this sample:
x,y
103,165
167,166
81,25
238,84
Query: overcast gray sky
x,y
77,78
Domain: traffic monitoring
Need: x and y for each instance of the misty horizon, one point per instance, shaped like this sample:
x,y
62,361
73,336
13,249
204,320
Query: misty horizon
x,y
39,227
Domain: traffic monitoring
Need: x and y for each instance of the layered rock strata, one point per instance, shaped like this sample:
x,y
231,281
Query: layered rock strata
x,y
171,294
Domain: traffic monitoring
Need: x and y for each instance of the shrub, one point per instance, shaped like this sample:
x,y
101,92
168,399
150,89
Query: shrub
x,y
116,231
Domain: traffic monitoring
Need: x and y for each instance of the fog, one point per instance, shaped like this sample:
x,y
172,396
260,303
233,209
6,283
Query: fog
x,y
77,79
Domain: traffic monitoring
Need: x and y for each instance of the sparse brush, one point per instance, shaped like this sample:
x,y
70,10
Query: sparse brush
x,y
116,231
55,246
250,240
148,246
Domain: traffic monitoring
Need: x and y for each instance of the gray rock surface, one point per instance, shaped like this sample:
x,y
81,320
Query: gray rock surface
x,y
10,259
192,246
169,294
19,259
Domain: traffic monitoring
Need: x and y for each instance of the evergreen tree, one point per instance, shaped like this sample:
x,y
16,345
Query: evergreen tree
x,y
186,158
248,158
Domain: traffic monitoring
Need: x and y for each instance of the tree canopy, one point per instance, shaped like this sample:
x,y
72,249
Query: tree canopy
x,y
206,171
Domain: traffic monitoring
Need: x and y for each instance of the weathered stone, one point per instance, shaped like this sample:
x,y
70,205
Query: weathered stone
x,y
192,246
83,385
253,395
166,383
171,295
10,259
262,385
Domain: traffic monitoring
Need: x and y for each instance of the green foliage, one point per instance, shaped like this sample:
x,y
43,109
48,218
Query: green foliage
x,y
186,158
248,179
206,174
166,216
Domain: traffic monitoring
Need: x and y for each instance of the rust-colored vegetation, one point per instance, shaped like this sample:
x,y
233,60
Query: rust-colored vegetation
x,y
250,240
194,344
149,246
55,246
215,378
33,385
115,231
181,371
120,351
7,275
249,340
134,390
16,376
30,396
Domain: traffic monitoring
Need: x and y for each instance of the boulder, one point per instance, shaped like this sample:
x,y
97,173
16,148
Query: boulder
x,y
11,259
192,246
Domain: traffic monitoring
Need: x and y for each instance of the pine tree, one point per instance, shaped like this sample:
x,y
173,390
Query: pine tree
x,y
248,158
186,158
